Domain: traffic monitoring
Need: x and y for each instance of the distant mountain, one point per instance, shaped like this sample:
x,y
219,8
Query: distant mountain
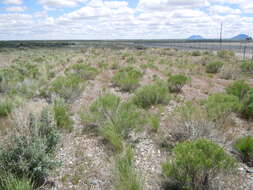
x,y
240,37
195,37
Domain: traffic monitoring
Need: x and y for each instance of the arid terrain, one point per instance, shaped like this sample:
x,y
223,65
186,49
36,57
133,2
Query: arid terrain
x,y
102,118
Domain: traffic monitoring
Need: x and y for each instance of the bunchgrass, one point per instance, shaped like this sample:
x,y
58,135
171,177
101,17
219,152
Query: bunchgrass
x,y
153,94
127,78
126,176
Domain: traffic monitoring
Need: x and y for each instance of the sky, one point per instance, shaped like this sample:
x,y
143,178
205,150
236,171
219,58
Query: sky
x,y
123,19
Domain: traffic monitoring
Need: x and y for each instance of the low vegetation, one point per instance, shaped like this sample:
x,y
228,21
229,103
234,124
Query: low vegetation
x,y
196,53
153,94
225,54
83,71
230,71
127,78
62,115
220,106
247,67
30,152
244,147
195,164
109,115
191,123
67,87
239,89
126,176
247,105
155,122
10,182
214,67
5,107
176,82
114,118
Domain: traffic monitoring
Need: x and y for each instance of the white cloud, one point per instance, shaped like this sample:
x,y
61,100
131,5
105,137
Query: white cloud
x,y
245,5
169,4
247,8
13,2
15,9
114,19
116,4
98,9
48,4
188,13
219,9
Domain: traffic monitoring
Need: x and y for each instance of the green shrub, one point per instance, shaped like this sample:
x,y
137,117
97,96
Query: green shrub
x,y
84,71
247,67
114,118
47,129
67,87
230,71
10,182
62,115
214,67
155,122
244,146
29,154
225,54
195,164
238,88
220,106
206,59
126,177
247,105
176,83
19,71
127,79
113,135
156,93
5,106
196,53
191,123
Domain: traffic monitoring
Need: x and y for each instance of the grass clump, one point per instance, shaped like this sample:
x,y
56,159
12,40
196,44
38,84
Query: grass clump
x,y
62,115
214,67
155,122
29,154
6,106
225,54
190,122
114,118
127,79
247,67
84,71
10,182
176,82
238,89
195,164
247,105
67,87
196,53
244,92
220,106
126,177
16,75
230,71
244,146
156,93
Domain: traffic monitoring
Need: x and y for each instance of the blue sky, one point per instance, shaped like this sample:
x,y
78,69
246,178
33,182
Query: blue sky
x,y
123,19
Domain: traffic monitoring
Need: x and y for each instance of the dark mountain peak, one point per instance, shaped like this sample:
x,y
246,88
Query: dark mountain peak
x,y
195,37
241,37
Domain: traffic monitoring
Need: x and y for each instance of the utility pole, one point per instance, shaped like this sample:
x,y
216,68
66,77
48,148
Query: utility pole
x,y
221,29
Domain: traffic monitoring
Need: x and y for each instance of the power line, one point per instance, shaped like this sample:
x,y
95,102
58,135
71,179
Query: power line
x,y
221,30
